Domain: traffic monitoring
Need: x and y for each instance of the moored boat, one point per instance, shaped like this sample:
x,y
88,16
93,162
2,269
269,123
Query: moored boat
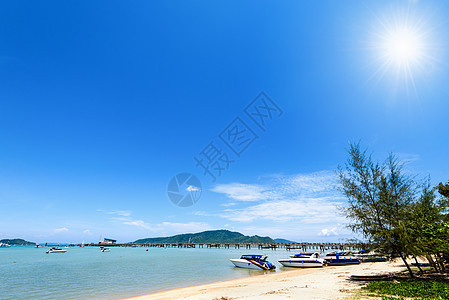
x,y
103,249
341,258
257,262
303,260
56,250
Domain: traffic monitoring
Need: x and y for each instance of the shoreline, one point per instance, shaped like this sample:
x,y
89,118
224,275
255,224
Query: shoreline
x,y
314,283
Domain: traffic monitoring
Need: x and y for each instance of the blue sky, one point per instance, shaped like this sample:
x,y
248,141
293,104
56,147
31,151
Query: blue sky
x,y
102,103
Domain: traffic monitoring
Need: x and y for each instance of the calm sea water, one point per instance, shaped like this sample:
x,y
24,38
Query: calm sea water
x,y
122,272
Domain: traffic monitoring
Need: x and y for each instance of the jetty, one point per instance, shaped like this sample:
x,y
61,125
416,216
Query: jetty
x,y
261,246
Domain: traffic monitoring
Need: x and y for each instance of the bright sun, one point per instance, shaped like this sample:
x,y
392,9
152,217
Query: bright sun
x,y
403,47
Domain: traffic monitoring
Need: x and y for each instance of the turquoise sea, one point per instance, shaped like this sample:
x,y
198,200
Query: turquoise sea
x,y
27,272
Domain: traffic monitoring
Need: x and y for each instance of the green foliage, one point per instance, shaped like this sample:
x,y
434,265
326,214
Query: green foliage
x,y
394,212
211,236
422,289
379,198
16,242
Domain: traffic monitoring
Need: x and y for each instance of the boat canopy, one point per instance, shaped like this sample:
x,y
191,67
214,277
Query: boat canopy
x,y
305,254
363,251
253,257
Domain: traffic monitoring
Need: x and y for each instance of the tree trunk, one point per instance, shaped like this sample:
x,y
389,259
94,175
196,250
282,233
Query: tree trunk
x,y
432,262
440,263
417,264
407,265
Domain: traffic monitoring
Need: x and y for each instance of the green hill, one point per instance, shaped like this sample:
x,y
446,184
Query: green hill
x,y
16,242
211,236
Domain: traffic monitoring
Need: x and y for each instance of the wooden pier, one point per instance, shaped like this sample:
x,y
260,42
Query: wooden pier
x,y
319,247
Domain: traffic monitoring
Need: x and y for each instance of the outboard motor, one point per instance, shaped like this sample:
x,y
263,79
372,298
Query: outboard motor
x,y
269,266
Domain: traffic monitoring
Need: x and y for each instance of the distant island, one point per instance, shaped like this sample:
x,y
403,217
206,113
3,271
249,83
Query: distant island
x,y
210,236
284,241
16,242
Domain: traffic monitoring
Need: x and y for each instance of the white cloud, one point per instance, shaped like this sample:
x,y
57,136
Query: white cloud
x,y
407,158
242,192
59,230
124,213
87,231
228,204
192,188
310,198
328,232
138,223
308,210
313,184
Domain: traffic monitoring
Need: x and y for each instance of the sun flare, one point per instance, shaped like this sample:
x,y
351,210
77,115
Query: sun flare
x,y
403,47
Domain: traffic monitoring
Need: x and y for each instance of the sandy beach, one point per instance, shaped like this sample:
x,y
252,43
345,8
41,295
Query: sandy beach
x,y
323,283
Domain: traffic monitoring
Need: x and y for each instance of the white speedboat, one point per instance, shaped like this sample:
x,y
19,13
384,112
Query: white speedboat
x,y
257,262
303,260
103,249
56,250
341,258
4,245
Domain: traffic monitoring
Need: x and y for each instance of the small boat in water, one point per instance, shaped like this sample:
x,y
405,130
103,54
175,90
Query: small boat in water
x,y
257,262
56,250
4,245
341,258
103,249
303,260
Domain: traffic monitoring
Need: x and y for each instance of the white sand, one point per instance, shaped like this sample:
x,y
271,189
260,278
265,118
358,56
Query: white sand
x,y
321,283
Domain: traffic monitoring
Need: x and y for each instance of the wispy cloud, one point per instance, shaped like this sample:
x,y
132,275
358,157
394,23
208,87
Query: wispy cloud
x,y
310,198
124,213
228,204
407,158
87,231
59,230
137,223
308,210
242,192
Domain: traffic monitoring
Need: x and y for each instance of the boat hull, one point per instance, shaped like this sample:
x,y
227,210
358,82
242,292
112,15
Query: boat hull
x,y
301,263
243,263
55,252
341,261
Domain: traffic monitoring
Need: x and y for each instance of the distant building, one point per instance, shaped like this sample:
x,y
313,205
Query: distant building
x,y
108,241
